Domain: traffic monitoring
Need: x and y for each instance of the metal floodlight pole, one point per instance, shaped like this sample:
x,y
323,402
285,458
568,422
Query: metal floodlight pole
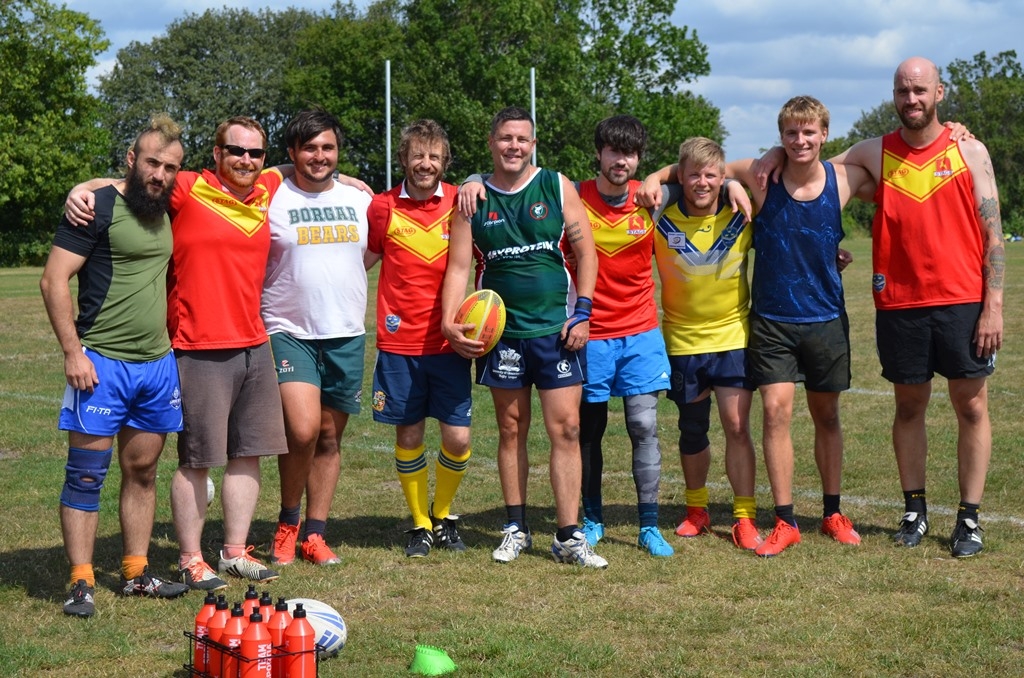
x,y
533,108
387,123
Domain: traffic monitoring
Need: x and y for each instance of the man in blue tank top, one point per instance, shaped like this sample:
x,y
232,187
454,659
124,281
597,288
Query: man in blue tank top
x,y
516,235
798,325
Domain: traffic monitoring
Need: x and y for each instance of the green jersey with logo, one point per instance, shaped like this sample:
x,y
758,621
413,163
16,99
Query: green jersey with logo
x,y
516,238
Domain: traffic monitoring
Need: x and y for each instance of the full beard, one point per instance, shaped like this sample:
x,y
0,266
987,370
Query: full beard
x,y
141,202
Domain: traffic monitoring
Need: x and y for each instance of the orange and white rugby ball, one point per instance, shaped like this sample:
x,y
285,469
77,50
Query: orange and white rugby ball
x,y
486,310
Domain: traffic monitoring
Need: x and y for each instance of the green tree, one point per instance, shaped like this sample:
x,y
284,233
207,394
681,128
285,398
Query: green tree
x,y
459,62
50,136
987,95
206,68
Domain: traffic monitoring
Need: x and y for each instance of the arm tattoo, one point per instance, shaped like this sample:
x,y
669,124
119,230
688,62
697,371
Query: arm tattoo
x,y
572,232
994,262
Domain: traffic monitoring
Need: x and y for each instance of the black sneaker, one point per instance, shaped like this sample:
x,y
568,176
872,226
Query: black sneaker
x,y
446,533
913,526
420,541
80,602
152,587
966,539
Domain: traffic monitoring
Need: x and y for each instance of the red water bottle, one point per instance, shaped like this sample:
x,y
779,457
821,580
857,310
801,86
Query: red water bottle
x,y
251,603
232,640
201,631
257,649
215,633
300,644
277,625
266,606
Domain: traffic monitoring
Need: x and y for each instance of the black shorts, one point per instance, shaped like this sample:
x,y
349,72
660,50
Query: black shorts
x,y
915,343
817,354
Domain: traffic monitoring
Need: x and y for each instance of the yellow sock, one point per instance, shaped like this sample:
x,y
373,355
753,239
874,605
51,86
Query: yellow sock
x,y
133,566
449,471
412,473
744,507
83,572
697,498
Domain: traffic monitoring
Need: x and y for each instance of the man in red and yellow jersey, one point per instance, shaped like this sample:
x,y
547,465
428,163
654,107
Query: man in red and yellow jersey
x,y
938,260
418,374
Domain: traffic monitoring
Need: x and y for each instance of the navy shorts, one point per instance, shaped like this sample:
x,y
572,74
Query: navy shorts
x,y
543,362
407,389
694,374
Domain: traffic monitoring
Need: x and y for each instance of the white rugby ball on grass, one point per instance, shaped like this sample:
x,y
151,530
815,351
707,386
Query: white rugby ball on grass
x,y
211,490
331,631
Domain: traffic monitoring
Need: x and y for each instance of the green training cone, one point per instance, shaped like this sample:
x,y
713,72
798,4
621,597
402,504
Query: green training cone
x,y
431,661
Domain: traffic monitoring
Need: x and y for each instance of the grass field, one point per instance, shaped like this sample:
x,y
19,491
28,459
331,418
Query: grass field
x,y
819,609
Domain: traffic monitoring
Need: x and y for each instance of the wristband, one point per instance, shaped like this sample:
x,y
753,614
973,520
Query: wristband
x,y
580,312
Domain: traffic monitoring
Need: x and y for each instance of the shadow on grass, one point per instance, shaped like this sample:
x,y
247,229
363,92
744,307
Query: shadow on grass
x,y
43,572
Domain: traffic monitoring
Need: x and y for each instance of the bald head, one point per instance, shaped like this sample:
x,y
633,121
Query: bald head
x,y
919,69
916,92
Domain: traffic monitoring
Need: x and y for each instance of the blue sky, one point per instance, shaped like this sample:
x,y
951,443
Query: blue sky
x,y
762,52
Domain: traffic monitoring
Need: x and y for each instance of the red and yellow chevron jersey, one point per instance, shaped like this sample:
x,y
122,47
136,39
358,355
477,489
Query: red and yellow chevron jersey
x,y
413,237
624,237
927,245
218,263
705,296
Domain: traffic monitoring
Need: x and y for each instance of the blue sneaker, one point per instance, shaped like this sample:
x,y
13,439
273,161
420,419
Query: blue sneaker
x,y
594,532
650,540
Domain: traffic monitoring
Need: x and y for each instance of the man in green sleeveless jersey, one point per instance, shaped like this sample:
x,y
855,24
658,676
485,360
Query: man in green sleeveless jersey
x,y
515,235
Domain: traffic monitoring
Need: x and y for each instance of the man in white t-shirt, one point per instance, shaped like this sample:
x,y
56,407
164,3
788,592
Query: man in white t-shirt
x,y
314,304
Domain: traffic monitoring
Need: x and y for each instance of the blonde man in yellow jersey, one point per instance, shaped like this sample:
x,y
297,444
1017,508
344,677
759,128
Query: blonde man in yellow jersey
x,y
701,248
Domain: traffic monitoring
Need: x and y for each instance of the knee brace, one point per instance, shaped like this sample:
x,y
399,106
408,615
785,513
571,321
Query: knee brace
x,y
694,422
83,478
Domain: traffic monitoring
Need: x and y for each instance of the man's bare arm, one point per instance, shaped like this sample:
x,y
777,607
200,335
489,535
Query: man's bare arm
x,y
988,335
576,329
61,266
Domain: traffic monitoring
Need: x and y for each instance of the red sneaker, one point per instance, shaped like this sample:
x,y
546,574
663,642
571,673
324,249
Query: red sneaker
x,y
696,523
282,551
840,528
315,550
782,537
745,534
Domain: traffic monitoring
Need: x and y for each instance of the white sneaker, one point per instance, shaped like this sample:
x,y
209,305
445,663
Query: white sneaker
x,y
512,544
246,567
576,551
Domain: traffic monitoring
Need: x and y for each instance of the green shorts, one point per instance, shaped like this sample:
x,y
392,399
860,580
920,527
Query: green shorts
x,y
335,366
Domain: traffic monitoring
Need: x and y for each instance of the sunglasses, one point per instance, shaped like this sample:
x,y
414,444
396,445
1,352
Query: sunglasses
x,y
239,151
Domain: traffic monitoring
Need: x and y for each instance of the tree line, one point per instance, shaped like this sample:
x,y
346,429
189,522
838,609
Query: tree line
x,y
455,61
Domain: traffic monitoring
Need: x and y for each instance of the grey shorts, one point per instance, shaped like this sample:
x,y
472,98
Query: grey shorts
x,y
231,406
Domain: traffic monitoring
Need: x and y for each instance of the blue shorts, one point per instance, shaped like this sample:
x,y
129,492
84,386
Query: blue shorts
x,y
407,389
543,362
626,366
145,396
335,366
694,374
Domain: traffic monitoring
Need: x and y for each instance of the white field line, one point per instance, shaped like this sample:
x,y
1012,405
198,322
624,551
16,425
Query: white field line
x,y
815,495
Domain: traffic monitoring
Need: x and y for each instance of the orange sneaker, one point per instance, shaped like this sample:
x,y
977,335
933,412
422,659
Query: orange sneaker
x,y
745,534
696,523
840,528
282,551
315,550
782,537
